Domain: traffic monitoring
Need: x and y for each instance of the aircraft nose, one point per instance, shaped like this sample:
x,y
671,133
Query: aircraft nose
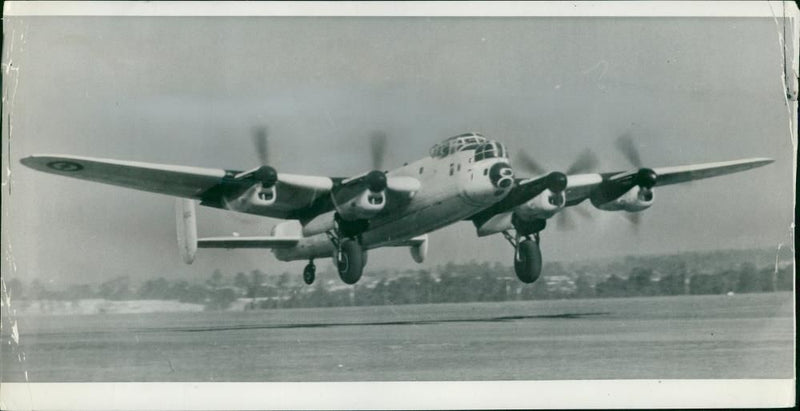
x,y
501,175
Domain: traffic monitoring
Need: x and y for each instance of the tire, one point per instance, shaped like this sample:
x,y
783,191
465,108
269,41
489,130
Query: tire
x,y
528,261
309,273
349,261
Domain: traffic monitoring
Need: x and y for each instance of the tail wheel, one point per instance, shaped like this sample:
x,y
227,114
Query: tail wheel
x,y
309,273
528,261
350,261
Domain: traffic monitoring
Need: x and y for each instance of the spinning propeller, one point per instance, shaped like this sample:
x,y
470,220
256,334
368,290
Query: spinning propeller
x,y
585,162
266,174
645,177
376,179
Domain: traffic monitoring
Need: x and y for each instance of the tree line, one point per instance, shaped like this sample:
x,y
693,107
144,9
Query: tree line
x,y
470,282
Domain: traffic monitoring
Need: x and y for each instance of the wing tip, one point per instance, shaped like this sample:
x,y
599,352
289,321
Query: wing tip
x,y
759,161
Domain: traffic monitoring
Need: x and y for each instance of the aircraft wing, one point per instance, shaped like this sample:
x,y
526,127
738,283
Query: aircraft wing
x,y
580,186
297,194
682,174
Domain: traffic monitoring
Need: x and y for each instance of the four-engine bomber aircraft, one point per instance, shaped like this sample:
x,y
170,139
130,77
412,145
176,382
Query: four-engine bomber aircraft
x,y
466,177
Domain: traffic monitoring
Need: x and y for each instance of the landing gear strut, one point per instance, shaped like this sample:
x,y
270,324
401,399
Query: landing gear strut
x,y
309,273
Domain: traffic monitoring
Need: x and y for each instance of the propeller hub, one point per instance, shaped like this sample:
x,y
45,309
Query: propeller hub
x,y
557,182
376,181
646,178
267,175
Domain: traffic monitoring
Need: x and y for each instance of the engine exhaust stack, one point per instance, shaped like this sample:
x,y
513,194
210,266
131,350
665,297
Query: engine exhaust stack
x,y
186,224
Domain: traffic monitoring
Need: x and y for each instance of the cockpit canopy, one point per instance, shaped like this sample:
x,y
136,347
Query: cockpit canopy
x,y
461,142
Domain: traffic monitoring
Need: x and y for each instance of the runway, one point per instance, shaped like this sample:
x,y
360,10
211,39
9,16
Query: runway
x,y
684,337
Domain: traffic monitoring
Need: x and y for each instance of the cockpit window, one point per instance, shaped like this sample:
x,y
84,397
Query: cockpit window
x,y
490,150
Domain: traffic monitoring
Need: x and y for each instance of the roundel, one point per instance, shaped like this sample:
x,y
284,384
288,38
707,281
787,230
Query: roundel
x,y
64,166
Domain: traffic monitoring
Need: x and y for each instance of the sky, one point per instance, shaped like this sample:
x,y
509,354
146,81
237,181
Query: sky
x,y
189,90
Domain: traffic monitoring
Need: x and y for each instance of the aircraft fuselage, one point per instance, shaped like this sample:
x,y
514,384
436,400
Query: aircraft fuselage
x,y
453,188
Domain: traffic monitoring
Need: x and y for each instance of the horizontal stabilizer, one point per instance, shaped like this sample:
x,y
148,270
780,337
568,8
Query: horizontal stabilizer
x,y
248,242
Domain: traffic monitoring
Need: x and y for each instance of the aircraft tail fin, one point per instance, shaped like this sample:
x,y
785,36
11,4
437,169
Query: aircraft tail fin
x,y
186,225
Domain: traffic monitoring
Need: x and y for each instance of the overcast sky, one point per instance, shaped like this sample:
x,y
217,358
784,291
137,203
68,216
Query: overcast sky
x,y
188,91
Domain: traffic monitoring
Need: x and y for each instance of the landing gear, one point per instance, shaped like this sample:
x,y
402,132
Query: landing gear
x,y
309,273
350,256
350,261
527,256
528,261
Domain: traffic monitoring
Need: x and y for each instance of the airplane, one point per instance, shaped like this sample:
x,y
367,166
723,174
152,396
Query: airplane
x,y
467,177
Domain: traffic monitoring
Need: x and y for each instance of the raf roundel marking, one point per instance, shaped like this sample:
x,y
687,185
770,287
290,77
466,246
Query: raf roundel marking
x,y
64,166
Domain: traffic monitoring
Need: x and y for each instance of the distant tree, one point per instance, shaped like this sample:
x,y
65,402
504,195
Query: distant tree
x,y
708,284
158,289
116,289
554,268
491,287
536,291
613,286
241,282
402,290
217,280
426,284
748,279
786,278
179,290
640,282
256,282
583,287
196,293
320,297
672,284
77,292
284,280
729,280
220,298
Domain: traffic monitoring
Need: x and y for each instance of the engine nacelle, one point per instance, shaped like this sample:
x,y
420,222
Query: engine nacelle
x,y
635,199
257,195
363,206
544,205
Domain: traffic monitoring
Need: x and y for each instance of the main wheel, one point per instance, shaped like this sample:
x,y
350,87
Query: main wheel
x,y
528,261
349,261
309,273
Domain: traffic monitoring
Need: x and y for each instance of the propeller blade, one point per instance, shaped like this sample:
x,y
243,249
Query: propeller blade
x,y
526,162
260,141
628,147
584,163
378,148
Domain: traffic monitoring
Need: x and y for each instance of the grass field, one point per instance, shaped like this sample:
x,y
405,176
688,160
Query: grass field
x,y
696,337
